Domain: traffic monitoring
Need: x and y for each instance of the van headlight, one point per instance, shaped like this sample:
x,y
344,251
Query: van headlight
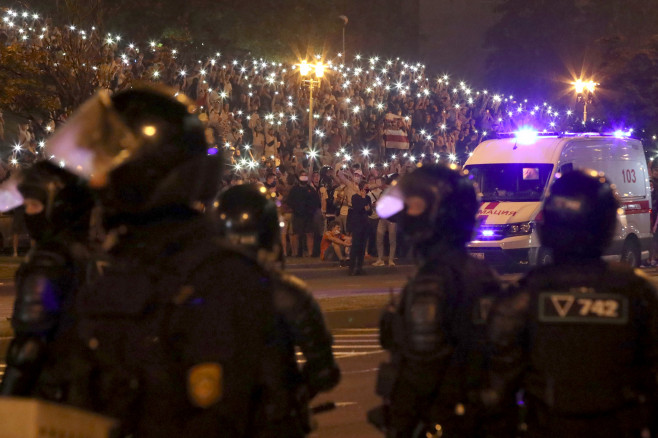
x,y
520,229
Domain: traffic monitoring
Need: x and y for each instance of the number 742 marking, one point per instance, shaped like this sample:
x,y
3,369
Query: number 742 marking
x,y
602,308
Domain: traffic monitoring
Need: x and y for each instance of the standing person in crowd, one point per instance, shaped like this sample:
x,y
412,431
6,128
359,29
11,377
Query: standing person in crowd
x,y
374,191
384,226
57,213
358,223
653,260
250,220
334,244
18,228
328,194
435,332
167,345
2,127
340,202
319,220
580,336
350,180
305,203
285,182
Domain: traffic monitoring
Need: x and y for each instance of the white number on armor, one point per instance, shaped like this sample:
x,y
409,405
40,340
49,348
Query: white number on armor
x,y
602,308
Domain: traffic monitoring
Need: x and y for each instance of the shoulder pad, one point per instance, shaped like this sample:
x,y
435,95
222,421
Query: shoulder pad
x,y
292,282
195,253
431,283
622,268
46,259
224,246
480,270
39,298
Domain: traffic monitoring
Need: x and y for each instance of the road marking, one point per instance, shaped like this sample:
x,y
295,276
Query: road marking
x,y
356,341
371,370
349,330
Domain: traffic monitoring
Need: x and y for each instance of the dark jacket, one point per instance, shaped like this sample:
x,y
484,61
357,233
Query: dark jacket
x,y
165,314
582,341
358,214
304,200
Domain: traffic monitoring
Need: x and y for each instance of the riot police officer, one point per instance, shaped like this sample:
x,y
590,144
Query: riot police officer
x,y
436,330
580,337
57,212
249,219
176,322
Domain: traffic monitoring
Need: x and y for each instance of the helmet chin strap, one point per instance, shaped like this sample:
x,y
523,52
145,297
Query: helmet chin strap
x,y
432,215
268,258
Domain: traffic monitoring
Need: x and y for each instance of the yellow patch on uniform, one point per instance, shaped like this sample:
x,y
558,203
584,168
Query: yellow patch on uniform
x,y
205,384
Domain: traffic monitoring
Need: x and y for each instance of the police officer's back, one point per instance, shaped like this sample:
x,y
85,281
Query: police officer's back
x,y
176,322
435,332
247,218
58,206
580,337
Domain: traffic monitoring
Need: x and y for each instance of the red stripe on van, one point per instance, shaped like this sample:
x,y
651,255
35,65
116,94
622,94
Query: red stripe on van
x,y
491,206
636,207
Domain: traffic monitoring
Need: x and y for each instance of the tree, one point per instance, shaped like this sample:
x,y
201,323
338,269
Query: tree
x,y
632,77
23,91
539,46
533,43
48,75
268,28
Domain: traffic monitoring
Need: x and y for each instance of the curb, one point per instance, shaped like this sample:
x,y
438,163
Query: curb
x,y
319,265
318,294
309,274
346,319
5,329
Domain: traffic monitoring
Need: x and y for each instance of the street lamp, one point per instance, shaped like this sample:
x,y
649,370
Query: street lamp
x,y
586,90
305,69
345,21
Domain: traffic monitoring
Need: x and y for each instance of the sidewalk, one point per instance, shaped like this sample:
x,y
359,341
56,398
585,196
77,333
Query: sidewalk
x,y
315,263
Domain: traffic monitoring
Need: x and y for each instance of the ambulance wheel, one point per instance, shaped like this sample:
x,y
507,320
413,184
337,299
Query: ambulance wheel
x,y
631,253
544,257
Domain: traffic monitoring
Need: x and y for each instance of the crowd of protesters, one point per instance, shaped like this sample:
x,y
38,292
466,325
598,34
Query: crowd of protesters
x,y
373,119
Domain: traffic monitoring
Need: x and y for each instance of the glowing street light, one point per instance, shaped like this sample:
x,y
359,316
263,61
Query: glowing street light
x,y
305,70
586,90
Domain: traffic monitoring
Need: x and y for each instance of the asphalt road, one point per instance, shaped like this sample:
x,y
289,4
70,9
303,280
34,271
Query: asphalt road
x,y
355,395
353,305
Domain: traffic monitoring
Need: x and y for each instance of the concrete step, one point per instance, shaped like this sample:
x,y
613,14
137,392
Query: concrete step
x,y
329,272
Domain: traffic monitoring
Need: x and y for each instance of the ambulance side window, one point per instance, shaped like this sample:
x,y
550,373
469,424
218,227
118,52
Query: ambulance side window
x,y
565,168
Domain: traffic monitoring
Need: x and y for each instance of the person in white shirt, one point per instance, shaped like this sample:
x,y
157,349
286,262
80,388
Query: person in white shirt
x,y
384,226
374,191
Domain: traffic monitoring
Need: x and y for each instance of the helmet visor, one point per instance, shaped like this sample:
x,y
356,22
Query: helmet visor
x,y
93,141
391,202
10,196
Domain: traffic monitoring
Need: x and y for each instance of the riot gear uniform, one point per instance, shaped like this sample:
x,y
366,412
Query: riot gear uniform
x,y
579,337
436,331
47,280
170,351
248,218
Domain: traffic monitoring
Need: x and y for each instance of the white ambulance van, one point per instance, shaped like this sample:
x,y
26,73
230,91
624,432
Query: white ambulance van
x,y
512,176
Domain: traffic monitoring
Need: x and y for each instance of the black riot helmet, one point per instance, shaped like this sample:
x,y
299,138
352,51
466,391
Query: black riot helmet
x,y
435,205
248,217
66,199
144,147
579,216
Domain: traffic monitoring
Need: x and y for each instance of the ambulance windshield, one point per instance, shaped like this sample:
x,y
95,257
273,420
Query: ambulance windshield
x,y
510,181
